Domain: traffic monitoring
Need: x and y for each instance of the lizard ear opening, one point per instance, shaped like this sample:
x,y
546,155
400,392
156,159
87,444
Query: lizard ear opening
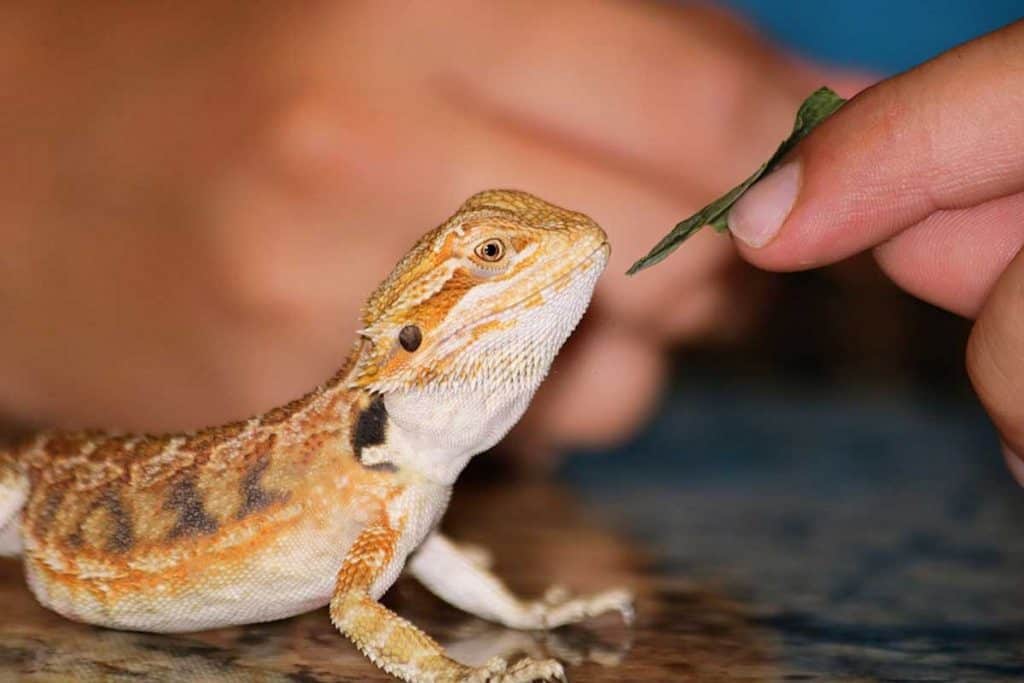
x,y
410,337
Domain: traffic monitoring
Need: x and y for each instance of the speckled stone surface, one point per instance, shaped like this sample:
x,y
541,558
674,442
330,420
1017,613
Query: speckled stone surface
x,y
874,536
771,534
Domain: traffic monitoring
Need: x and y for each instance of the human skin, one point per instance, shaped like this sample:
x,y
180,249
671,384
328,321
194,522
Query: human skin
x,y
195,199
927,170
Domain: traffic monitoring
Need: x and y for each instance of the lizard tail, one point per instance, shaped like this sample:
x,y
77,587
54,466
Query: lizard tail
x,y
13,492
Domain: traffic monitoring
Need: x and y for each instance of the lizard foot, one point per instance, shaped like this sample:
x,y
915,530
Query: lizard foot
x,y
526,670
559,606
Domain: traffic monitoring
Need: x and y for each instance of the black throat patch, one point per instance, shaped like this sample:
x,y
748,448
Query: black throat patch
x,y
371,430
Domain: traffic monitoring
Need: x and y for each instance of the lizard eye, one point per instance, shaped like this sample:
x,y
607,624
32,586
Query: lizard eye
x,y
410,337
491,250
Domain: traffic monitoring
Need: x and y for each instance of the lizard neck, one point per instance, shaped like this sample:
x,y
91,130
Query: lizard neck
x,y
430,431
437,433
430,434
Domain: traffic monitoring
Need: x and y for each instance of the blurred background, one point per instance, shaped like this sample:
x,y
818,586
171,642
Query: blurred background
x,y
195,200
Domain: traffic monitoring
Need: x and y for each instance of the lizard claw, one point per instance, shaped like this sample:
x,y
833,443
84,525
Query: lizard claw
x,y
559,607
526,670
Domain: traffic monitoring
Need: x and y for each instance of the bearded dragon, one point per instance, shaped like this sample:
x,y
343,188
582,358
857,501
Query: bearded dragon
x,y
325,500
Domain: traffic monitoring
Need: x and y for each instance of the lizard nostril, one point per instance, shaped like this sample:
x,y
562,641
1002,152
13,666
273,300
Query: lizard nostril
x,y
410,337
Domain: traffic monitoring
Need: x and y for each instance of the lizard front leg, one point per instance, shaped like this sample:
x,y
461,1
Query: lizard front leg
x,y
396,645
459,578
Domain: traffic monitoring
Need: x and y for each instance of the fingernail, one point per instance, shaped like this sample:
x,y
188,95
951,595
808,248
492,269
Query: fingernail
x,y
1015,464
757,216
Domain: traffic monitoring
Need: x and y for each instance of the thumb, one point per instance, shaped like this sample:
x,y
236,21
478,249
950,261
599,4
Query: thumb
x,y
948,134
995,360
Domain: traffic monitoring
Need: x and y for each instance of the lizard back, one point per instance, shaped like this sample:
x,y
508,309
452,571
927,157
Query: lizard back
x,y
111,521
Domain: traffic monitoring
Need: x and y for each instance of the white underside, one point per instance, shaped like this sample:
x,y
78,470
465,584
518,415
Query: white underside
x,y
293,576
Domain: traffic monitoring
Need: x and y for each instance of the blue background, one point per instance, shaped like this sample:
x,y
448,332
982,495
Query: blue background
x,y
883,36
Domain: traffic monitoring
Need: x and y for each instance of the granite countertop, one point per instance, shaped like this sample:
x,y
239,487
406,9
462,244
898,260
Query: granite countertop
x,y
814,534
875,535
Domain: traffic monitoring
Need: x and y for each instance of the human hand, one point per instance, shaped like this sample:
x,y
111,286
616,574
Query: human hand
x,y
197,199
927,169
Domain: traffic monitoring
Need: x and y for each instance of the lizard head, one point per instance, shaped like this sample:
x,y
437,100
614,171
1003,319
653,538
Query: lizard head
x,y
470,320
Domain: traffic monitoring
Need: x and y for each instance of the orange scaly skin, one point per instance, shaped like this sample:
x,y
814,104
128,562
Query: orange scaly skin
x,y
325,500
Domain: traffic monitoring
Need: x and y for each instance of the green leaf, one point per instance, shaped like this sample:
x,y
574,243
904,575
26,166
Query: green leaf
x,y
815,109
